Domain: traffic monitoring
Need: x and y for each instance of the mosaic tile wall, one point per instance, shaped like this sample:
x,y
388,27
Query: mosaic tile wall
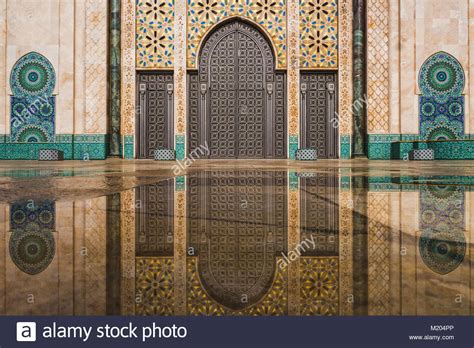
x,y
319,34
155,22
32,115
441,105
268,14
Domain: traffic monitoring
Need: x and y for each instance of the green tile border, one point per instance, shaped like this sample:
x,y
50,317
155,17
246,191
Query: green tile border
x,y
128,142
397,146
78,147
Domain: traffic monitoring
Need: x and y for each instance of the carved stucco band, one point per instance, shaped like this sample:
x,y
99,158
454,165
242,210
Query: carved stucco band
x,y
114,77
180,67
128,69
293,76
345,67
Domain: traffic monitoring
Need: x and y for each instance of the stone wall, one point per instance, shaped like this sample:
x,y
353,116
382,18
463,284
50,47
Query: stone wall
x,y
72,35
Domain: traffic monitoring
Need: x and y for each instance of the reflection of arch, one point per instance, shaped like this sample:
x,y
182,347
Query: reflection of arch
x,y
442,251
210,31
236,238
442,243
32,245
32,251
241,286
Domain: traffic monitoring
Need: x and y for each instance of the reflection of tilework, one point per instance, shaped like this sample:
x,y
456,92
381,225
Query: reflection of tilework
x,y
319,286
32,245
442,244
269,14
379,253
275,302
154,286
155,22
318,34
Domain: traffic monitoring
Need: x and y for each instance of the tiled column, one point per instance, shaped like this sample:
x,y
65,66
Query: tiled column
x,y
359,80
180,78
128,79
114,76
293,54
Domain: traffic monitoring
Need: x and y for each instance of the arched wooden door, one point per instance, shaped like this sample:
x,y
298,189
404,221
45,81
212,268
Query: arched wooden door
x,y
237,99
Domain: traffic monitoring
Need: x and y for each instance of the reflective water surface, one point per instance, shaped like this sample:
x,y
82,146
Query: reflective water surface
x,y
245,242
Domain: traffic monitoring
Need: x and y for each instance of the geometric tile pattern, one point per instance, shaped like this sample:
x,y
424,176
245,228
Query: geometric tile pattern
x,y
199,303
270,15
318,34
441,105
154,286
319,286
33,122
378,66
32,111
441,120
95,66
155,24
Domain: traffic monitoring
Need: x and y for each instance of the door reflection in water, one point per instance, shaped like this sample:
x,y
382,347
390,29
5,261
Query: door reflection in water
x,y
245,242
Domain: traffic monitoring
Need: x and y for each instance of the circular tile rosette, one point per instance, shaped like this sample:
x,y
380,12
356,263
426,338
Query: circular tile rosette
x,y
441,76
33,75
442,251
32,249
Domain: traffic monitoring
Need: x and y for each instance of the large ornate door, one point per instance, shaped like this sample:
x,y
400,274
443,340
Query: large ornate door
x,y
236,101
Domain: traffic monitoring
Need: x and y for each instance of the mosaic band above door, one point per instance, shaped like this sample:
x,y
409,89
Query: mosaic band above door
x,y
155,21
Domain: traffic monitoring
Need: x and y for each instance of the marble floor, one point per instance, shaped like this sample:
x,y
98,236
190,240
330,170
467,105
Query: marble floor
x,y
237,238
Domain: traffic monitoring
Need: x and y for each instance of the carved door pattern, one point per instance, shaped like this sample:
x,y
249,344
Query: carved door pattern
x,y
236,101
154,113
319,121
